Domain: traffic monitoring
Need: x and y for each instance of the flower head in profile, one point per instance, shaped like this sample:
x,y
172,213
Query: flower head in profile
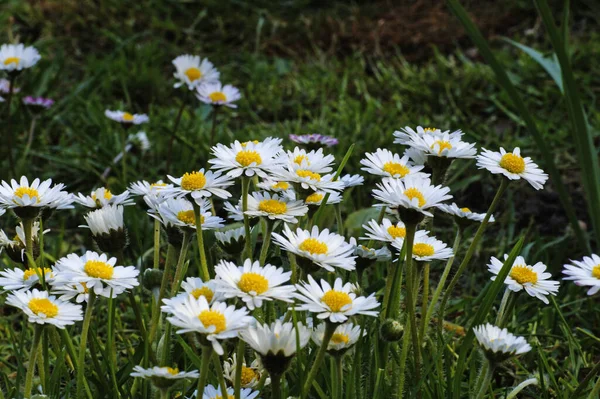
x,y
463,213
16,57
40,102
200,184
105,221
533,279
387,164
23,196
102,197
426,248
307,179
126,118
274,207
314,140
163,377
335,303
211,392
352,180
193,71
513,166
344,337
585,272
251,374
498,344
247,158
403,136
144,187
232,240
413,193
180,212
444,144
41,308
216,94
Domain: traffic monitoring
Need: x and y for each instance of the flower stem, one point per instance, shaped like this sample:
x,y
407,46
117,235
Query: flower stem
x,y
207,352
124,157
425,298
239,355
32,358
329,330
484,379
276,386
248,245
264,250
220,375
200,238
161,294
179,268
164,394
339,376
403,356
83,344
156,244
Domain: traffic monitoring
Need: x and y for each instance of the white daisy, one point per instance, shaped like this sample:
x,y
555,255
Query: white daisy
x,y
200,184
532,279
335,303
163,377
325,249
447,145
385,163
384,232
464,213
232,240
79,291
216,94
403,136
417,157
316,198
140,140
499,342
352,180
18,279
426,248
98,272
413,193
16,57
38,194
193,71
211,392
250,374
102,197
307,179
585,272
513,166
343,338
143,187
234,212
315,161
180,212
371,254
275,207
195,287
126,117
42,308
103,220
277,339
276,186
253,283
247,158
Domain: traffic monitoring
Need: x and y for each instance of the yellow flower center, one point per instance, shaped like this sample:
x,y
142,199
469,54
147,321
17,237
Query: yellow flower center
x,y
189,217
193,74
217,96
205,292
244,144
248,157
127,117
300,158
213,318
31,192
12,60
465,210
396,232
314,198
248,375
336,300
98,269
513,163
313,246
193,181
272,206
228,397
34,272
253,282
157,185
309,174
429,129
415,193
43,306
522,274
395,169
281,185
421,249
172,370
442,145
107,195
339,338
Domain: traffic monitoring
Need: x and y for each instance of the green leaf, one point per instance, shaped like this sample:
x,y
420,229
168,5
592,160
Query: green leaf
x,y
356,219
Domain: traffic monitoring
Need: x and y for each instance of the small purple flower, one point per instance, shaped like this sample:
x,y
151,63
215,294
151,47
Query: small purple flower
x,y
312,139
38,101
5,85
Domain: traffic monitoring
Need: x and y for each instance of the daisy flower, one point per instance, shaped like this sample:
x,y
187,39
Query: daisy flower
x,y
180,212
191,70
513,166
352,180
307,179
247,158
139,140
385,163
16,57
211,392
499,343
105,221
464,213
343,338
275,340
68,291
15,248
275,207
214,322
325,249
232,240
163,377
316,198
42,308
412,193
385,232
18,279
585,272
38,194
38,102
253,283
335,303
404,135
142,187
234,212
316,140
98,272
250,374
215,93
533,279
417,157
370,254
126,117
314,160
447,145
276,186
102,197
196,287
200,184
426,249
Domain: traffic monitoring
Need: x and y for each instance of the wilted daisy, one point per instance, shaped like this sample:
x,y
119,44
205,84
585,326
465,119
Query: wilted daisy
x,y
143,187
16,57
498,343
18,279
343,338
102,197
585,272
98,272
385,163
513,166
352,180
307,179
403,136
533,279
247,158
335,303
191,70
426,248
25,198
314,140
447,145
253,283
126,118
40,102
211,392
42,308
180,212
163,377
215,93
275,207
413,193
213,322
464,213
232,241
314,160
200,184
250,374
325,249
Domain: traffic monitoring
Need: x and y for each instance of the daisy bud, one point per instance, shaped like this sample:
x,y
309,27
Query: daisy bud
x,y
107,228
391,330
153,279
231,241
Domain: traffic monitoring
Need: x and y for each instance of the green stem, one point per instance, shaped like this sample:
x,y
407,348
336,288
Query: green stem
x,y
248,245
264,250
200,238
329,330
484,379
220,375
503,307
207,352
179,268
161,294
124,157
156,244
83,344
164,394
276,386
403,356
339,372
239,355
293,267
389,281
338,219
425,298
32,359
